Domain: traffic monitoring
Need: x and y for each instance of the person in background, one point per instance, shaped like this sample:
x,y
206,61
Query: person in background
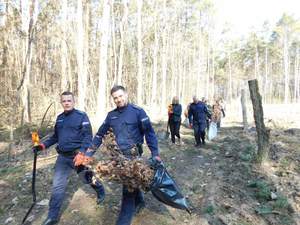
x,y
197,119
217,112
209,108
130,125
73,135
175,120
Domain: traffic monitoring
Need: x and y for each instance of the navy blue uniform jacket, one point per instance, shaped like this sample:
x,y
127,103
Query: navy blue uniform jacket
x,y
130,124
197,114
72,131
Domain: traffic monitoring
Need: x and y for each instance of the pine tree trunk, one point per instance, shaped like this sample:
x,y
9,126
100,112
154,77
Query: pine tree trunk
x,y
263,134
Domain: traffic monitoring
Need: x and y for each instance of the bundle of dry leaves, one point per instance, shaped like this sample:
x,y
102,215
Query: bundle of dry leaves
x,y
134,172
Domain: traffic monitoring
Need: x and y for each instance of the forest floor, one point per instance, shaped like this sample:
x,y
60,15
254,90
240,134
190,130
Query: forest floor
x,y
220,180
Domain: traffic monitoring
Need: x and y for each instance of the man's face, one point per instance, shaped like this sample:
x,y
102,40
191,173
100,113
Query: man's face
x,y
67,102
120,98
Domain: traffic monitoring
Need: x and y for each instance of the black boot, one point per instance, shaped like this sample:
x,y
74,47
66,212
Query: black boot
x,y
98,187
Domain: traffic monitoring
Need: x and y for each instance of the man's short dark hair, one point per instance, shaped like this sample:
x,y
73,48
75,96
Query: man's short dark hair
x,y
67,93
116,88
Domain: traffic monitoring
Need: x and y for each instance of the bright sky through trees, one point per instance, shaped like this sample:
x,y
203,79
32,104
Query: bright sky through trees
x,y
243,16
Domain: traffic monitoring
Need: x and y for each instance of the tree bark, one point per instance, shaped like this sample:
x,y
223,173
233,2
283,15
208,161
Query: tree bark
x,y
80,54
164,59
29,17
244,110
140,53
123,27
64,51
263,134
101,99
154,71
286,67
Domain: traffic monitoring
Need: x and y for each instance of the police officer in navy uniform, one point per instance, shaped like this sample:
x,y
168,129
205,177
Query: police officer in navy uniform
x,y
198,114
73,135
130,124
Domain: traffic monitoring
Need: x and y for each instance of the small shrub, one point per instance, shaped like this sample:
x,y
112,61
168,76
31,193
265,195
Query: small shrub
x,y
281,203
284,163
263,191
209,209
264,209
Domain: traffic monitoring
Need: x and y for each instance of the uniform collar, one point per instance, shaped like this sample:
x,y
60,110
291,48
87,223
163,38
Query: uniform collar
x,y
66,113
122,109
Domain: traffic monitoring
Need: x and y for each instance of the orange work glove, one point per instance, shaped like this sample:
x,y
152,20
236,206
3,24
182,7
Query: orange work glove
x,y
81,159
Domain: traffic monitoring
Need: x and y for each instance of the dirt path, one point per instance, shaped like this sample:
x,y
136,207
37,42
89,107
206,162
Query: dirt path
x,y
219,180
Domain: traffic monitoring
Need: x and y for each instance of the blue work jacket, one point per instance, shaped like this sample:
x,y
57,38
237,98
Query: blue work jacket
x,y
72,131
130,124
198,113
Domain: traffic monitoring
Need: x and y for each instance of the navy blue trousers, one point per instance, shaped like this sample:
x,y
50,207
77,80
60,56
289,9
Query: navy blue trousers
x,y
63,167
199,132
129,201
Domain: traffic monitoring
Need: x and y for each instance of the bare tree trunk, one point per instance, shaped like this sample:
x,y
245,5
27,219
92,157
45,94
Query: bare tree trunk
x,y
122,41
114,71
229,78
154,73
164,59
101,100
266,76
244,110
140,54
263,134
208,68
81,57
286,68
213,72
64,50
296,75
29,17
256,67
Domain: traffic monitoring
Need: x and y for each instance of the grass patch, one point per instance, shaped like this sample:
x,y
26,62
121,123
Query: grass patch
x,y
264,209
284,163
281,203
286,220
248,153
263,190
11,170
210,209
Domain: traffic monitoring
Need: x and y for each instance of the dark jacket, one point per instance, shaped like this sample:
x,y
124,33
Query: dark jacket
x,y
198,113
177,111
72,131
130,125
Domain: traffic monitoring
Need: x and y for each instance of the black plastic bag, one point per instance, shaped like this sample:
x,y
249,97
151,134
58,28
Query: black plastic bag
x,y
165,189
